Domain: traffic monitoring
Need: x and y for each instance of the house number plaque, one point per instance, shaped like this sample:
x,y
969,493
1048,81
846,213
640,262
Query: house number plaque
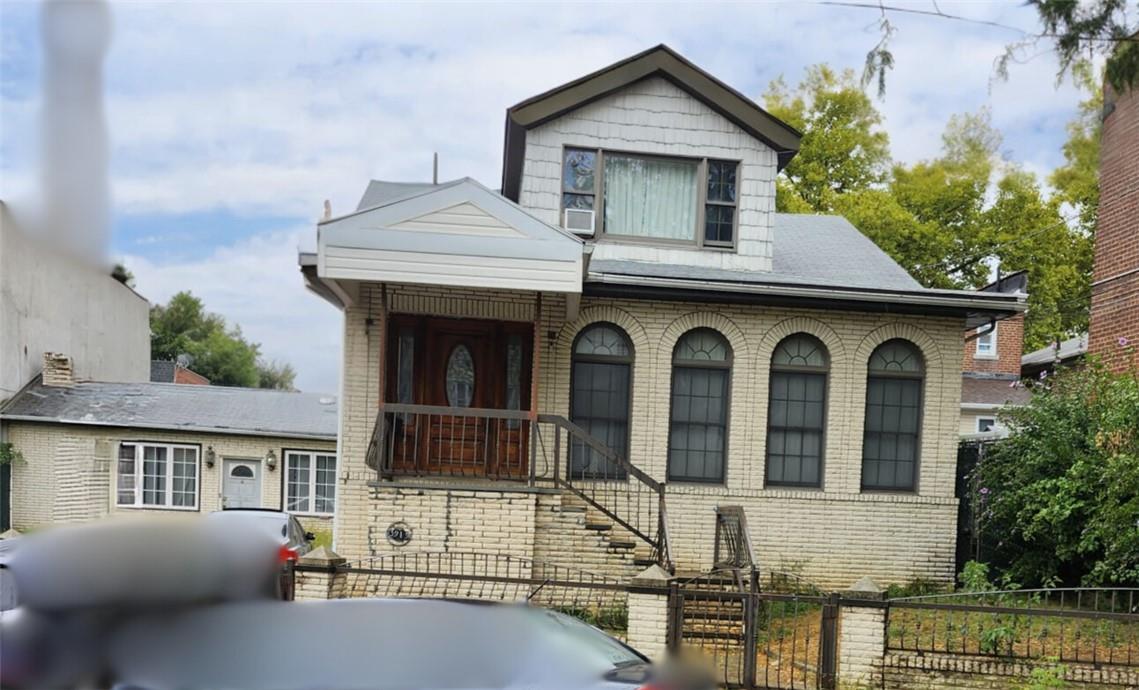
x,y
399,533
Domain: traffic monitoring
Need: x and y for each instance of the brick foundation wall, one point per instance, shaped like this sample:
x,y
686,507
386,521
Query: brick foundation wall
x,y
832,535
68,471
1115,278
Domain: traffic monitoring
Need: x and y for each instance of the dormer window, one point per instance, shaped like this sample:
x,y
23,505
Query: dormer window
x,y
647,198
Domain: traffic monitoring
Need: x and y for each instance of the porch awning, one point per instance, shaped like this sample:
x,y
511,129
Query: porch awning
x,y
457,233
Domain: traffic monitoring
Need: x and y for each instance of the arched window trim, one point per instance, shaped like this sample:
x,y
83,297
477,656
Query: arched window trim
x,y
918,376
627,360
825,371
826,367
725,365
886,373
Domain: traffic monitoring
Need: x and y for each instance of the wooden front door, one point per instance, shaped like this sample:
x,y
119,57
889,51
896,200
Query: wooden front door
x,y
460,364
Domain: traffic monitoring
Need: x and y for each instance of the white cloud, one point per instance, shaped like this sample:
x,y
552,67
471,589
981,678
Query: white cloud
x,y
257,285
270,108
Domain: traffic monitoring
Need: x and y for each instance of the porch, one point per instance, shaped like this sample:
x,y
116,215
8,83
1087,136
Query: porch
x,y
460,410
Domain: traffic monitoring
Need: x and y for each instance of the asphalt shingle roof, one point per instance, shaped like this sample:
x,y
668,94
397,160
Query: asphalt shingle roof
x,y
994,391
214,409
824,251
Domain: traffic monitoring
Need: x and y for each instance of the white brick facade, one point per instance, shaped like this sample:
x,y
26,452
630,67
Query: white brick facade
x,y
833,536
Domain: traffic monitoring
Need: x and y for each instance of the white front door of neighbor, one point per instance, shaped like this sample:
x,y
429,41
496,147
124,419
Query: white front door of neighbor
x,y
241,485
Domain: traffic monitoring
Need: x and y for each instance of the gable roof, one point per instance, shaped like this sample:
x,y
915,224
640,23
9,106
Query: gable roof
x,y
457,233
176,407
657,61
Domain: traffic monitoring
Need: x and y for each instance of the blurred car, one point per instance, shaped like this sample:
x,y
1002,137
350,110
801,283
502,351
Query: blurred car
x,y
295,541
378,644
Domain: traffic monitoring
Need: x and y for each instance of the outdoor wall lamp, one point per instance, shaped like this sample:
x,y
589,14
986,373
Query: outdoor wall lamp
x,y
211,456
271,460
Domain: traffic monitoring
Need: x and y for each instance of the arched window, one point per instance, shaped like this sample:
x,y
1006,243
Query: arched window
x,y
698,423
893,417
600,385
796,412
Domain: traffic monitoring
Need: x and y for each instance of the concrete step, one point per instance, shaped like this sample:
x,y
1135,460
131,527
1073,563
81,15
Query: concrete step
x,y
599,526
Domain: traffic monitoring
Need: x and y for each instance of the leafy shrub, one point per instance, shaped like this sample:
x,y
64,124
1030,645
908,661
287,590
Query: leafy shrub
x,y
1059,498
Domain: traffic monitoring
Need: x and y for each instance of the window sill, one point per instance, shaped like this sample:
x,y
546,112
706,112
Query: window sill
x,y
135,506
988,357
311,515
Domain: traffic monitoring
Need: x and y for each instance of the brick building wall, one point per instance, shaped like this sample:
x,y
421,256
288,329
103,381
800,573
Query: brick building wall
x,y
1114,328
1010,347
68,471
833,536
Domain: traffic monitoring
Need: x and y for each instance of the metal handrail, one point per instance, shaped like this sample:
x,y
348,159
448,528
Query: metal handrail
x,y
648,524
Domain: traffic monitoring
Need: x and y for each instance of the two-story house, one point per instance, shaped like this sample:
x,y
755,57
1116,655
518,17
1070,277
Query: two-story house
x,y
581,367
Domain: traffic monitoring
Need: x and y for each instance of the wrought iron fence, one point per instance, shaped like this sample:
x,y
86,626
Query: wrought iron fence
x,y
595,598
1096,626
756,638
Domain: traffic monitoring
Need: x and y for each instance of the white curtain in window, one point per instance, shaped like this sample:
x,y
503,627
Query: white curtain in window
x,y
650,197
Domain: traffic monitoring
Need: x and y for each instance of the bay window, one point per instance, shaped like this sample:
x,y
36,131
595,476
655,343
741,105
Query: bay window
x,y
649,197
157,475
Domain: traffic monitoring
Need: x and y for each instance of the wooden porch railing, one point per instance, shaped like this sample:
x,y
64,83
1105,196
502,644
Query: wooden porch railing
x,y
434,441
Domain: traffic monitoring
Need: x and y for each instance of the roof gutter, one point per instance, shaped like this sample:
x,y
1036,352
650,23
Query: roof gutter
x,y
994,302
268,433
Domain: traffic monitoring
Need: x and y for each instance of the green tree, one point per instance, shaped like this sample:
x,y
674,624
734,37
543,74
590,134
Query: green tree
x,y
949,219
1078,31
843,149
183,327
1030,233
278,375
1060,496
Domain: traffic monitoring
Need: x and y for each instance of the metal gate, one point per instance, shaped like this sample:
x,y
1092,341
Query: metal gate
x,y
784,636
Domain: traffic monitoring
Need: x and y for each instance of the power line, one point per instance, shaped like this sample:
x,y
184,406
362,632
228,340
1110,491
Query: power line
x,y
969,20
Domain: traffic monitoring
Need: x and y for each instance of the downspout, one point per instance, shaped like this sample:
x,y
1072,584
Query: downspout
x,y
988,328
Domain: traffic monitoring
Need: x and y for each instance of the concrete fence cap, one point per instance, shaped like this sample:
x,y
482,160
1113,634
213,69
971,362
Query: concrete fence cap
x,y
652,575
322,556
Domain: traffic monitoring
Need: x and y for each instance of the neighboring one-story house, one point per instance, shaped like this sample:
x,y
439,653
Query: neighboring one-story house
x,y
582,367
92,449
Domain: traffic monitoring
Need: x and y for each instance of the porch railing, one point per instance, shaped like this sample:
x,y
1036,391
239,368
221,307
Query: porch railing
x,y
434,441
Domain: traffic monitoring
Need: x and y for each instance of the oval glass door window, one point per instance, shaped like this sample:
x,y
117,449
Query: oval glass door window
x,y
460,377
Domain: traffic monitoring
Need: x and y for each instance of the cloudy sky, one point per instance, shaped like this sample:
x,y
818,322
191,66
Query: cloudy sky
x,y
231,123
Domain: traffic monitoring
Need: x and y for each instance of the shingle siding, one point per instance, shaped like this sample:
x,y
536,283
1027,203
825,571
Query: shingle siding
x,y
655,116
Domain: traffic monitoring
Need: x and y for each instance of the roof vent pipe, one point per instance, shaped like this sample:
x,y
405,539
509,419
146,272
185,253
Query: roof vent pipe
x,y
435,169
